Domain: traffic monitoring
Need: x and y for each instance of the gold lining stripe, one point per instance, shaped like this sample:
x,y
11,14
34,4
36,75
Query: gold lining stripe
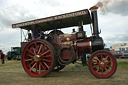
x,y
90,43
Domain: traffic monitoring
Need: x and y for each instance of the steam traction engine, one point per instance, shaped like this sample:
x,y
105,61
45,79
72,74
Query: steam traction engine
x,y
47,52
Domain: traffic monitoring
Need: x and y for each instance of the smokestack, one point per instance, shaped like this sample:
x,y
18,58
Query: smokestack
x,y
94,20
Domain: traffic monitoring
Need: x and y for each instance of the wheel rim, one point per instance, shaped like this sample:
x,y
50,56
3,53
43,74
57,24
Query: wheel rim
x,y
102,65
37,58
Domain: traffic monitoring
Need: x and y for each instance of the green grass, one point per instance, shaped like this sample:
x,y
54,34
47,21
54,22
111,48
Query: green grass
x,y
123,64
12,73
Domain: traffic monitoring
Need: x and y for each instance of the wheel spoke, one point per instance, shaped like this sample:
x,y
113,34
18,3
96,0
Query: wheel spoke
x,y
97,69
30,56
106,58
46,65
102,71
39,69
101,57
109,66
31,63
42,66
45,52
28,60
46,60
33,66
36,67
95,62
30,52
43,48
34,51
47,56
95,66
40,49
109,61
106,70
97,58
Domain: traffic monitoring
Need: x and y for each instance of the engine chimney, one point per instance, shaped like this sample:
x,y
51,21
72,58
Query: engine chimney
x,y
94,20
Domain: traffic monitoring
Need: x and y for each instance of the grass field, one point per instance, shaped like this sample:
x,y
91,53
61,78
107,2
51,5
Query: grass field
x,y
12,73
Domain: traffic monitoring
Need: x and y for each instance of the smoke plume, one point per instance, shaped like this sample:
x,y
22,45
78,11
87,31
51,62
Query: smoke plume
x,y
113,6
104,4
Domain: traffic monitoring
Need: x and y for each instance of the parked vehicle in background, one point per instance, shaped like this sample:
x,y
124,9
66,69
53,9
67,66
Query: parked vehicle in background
x,y
120,52
117,54
14,54
9,56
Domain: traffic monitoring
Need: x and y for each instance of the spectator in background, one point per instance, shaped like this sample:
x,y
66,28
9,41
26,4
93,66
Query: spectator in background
x,y
2,57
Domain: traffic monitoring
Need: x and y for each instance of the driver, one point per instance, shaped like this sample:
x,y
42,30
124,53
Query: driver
x,y
36,32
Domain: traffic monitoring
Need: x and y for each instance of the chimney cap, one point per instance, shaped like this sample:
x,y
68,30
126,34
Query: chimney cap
x,y
94,8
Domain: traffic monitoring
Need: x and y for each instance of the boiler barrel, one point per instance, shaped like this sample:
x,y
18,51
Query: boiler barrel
x,y
90,45
84,46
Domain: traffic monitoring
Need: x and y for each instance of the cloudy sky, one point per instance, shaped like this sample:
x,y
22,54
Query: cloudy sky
x,y
112,15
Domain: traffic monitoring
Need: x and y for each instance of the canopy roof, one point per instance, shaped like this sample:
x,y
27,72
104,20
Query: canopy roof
x,y
57,22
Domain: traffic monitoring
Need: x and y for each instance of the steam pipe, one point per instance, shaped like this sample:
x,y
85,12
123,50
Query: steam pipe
x,y
95,21
80,27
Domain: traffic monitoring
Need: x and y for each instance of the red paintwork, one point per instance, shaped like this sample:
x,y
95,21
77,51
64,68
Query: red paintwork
x,y
102,71
66,53
45,62
81,45
67,37
23,44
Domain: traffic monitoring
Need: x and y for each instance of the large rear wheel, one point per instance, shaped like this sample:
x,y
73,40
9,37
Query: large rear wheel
x,y
38,58
102,64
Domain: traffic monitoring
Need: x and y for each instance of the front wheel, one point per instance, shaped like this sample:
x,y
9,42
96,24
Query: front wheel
x,y
102,64
38,58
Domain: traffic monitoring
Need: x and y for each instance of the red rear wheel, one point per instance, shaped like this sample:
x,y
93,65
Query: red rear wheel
x,y
38,58
102,64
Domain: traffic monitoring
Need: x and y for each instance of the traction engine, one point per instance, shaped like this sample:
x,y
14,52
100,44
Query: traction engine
x,y
44,53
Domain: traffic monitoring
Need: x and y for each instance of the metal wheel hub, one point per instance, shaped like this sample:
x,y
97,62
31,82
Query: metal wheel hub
x,y
36,58
102,64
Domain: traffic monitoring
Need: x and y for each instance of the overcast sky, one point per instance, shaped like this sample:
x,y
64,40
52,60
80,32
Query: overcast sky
x,y
113,17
